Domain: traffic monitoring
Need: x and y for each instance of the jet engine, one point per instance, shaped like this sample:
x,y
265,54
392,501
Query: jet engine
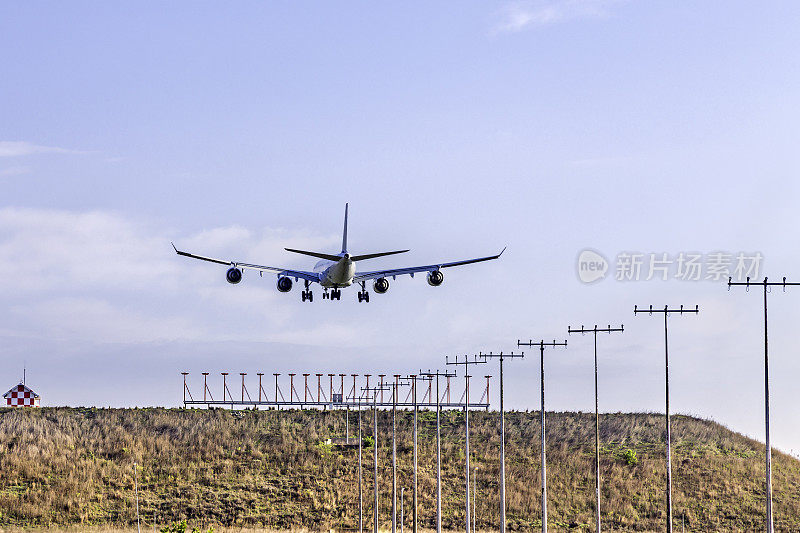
x,y
234,275
284,284
435,278
380,285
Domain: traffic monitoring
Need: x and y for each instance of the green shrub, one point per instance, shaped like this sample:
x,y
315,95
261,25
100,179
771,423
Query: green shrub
x,y
175,527
630,457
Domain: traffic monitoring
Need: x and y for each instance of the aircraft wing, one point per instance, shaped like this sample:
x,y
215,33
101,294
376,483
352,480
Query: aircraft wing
x,y
297,274
394,272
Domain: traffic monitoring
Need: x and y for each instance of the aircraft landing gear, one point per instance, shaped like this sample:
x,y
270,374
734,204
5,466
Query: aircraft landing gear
x,y
307,294
334,294
363,295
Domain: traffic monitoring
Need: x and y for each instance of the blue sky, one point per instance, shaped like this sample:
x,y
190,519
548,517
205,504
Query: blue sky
x,y
452,130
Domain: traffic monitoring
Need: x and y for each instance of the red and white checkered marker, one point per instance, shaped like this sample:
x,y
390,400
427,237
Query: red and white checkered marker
x,y
21,396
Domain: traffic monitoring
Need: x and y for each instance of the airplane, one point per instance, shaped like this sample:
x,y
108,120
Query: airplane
x,y
336,271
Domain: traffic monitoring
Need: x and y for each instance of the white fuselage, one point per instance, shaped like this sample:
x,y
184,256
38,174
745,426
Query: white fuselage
x,y
336,274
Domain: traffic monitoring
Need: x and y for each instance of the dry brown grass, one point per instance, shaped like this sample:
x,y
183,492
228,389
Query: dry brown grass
x,y
102,529
267,469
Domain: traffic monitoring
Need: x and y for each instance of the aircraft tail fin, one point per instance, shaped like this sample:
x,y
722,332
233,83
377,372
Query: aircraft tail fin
x,y
344,233
379,254
329,257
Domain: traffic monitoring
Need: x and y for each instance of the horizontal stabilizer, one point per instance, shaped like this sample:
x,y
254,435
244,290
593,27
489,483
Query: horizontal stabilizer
x,y
329,257
372,256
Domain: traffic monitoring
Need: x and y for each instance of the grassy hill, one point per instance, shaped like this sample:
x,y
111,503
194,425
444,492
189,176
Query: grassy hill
x,y
74,466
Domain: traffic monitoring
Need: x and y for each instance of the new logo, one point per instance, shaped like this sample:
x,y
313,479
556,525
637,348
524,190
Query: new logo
x,y
591,266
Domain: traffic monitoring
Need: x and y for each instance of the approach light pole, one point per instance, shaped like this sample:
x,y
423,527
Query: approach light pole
x,y
768,482
136,490
502,356
412,379
395,388
541,344
667,311
402,507
375,391
185,387
466,362
431,375
360,491
475,500
360,475
596,330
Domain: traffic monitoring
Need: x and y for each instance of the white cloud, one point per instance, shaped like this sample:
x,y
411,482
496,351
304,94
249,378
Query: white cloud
x,y
15,171
519,16
23,148
52,250
101,277
103,320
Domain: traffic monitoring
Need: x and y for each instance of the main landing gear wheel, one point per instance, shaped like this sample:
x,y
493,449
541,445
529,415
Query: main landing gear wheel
x,y
363,295
326,296
307,294
336,294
